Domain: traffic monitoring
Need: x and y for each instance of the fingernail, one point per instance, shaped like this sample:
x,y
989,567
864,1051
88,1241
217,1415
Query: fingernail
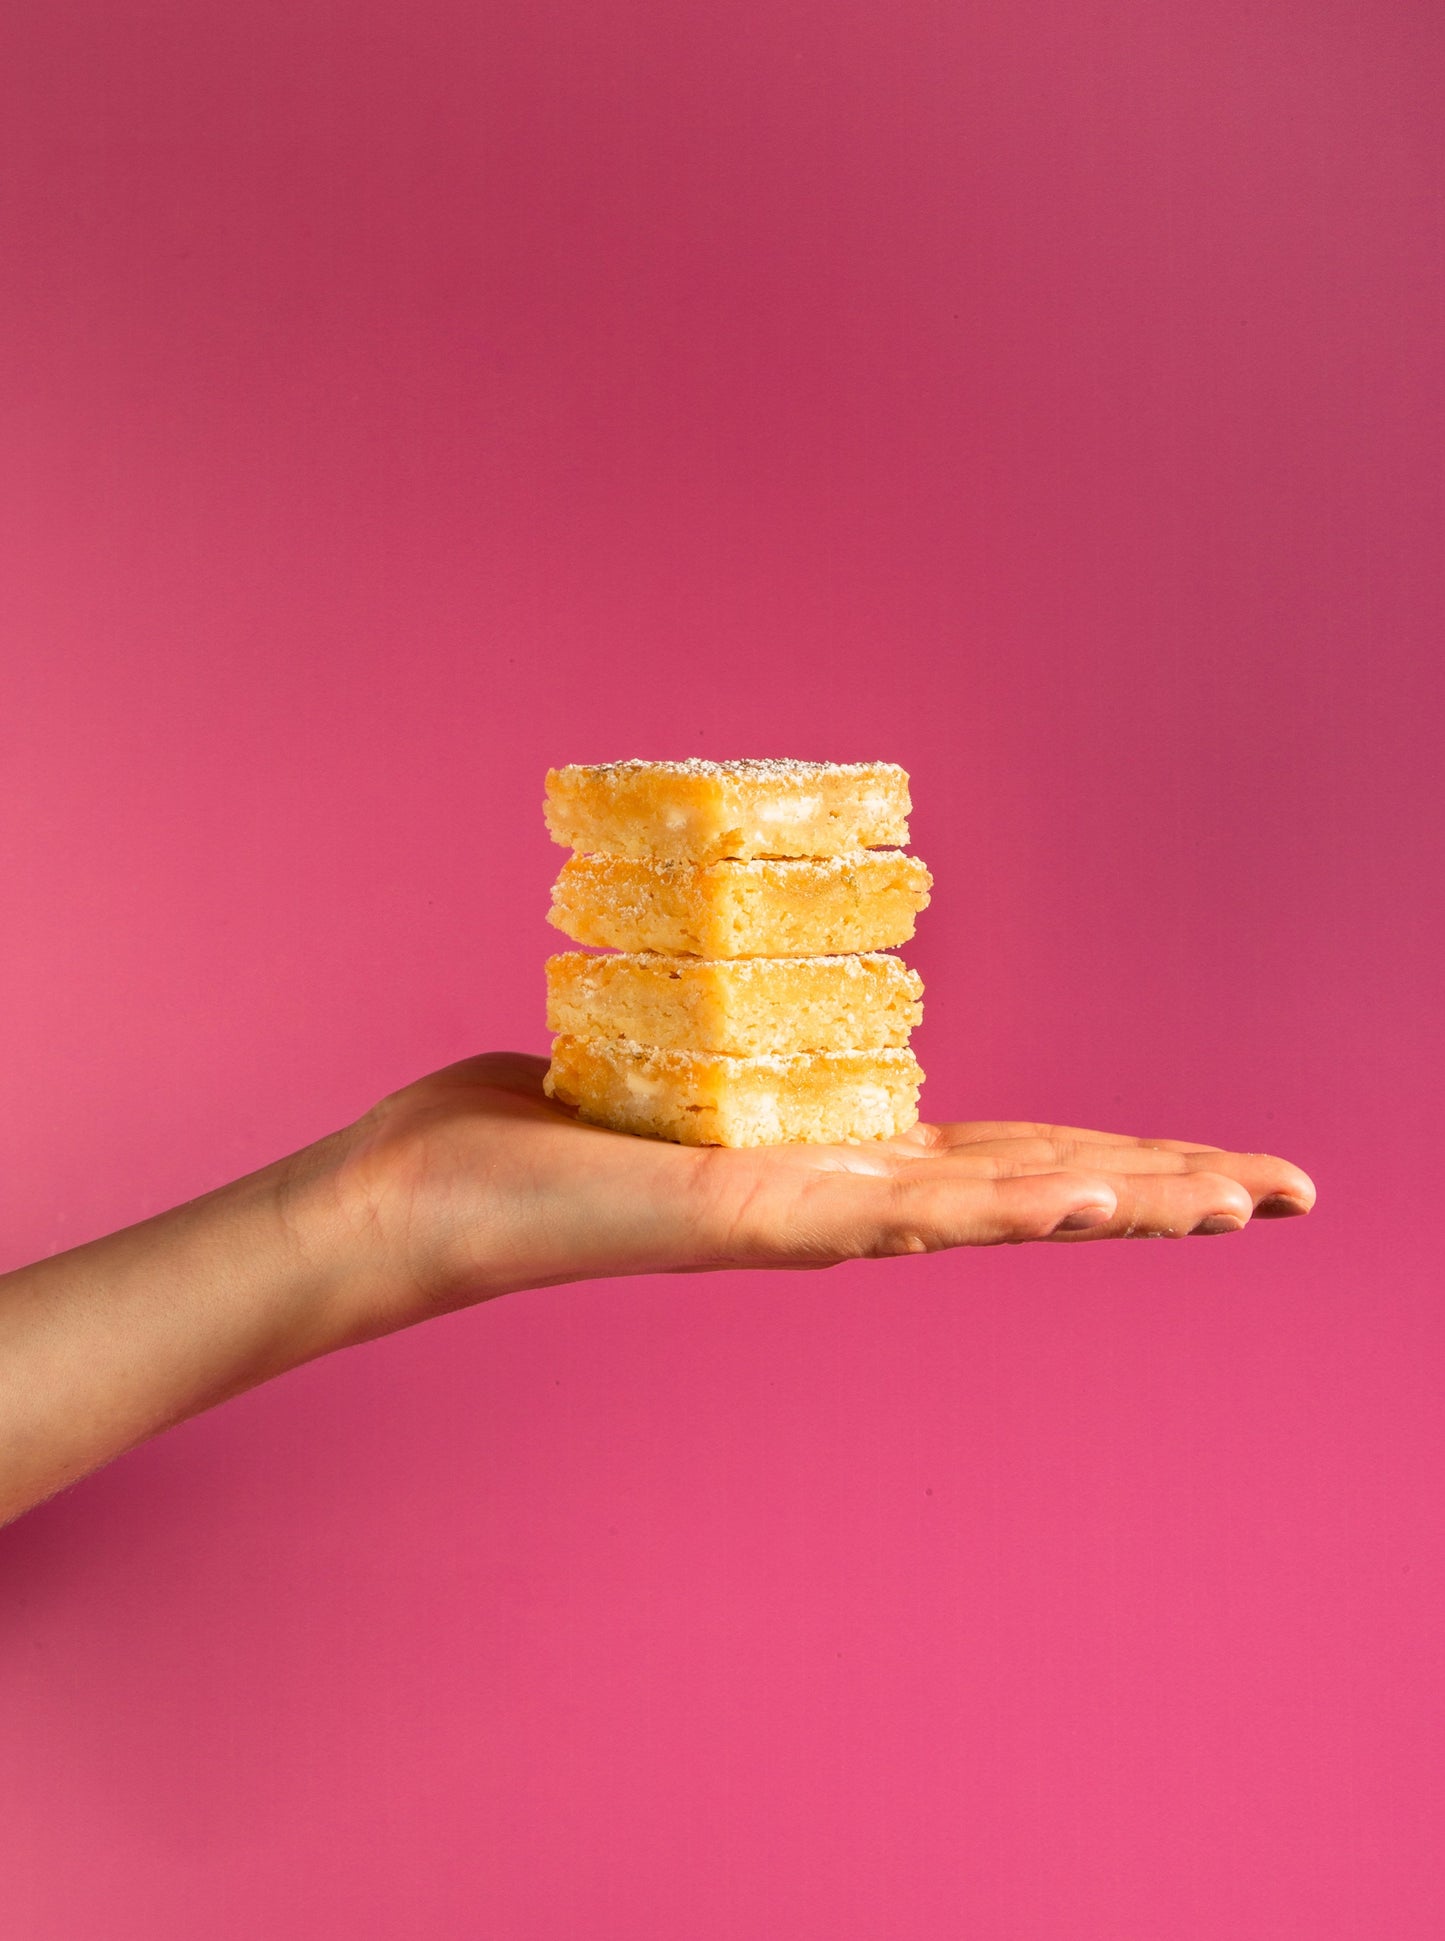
x,y
1084,1217
1279,1206
1219,1223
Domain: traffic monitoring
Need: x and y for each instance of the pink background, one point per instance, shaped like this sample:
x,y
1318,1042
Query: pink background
x,y
1047,395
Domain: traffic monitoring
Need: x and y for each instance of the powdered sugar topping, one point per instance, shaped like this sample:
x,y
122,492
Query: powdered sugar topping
x,y
773,770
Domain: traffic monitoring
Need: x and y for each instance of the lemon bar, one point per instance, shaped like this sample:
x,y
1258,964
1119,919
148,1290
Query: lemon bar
x,y
696,811
802,907
741,1006
697,1098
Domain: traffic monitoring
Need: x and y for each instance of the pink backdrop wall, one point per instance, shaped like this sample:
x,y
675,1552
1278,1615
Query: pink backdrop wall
x,y
1047,396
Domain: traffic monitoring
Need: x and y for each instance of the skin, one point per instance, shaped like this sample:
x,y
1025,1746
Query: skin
x,y
470,1183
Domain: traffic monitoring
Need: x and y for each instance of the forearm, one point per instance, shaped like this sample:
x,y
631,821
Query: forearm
x,y
105,1345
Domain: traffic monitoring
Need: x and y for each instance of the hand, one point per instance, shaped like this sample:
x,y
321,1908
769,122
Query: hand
x,y
471,1183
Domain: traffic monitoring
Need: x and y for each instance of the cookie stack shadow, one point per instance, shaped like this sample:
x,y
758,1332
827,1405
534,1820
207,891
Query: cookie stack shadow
x,y
748,909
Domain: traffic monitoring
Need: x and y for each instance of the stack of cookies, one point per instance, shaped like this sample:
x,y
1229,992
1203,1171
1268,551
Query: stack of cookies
x,y
750,906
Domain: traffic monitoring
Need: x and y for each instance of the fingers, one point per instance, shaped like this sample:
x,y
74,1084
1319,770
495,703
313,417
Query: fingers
x,y
1170,1205
931,1209
846,1217
1276,1188
929,1205
954,1187
1262,1176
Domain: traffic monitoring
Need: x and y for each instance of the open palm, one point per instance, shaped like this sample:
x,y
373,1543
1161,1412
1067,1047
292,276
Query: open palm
x,y
475,1183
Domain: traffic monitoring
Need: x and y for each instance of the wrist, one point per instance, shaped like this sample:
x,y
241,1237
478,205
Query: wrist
x,y
327,1217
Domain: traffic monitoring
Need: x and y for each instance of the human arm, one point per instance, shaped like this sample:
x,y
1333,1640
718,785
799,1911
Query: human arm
x,y
471,1183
